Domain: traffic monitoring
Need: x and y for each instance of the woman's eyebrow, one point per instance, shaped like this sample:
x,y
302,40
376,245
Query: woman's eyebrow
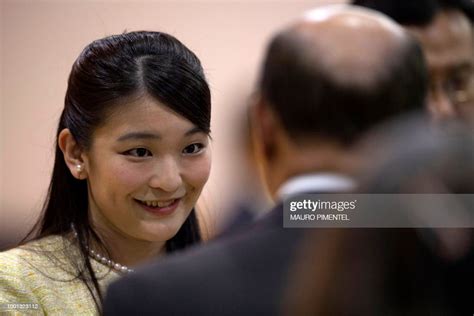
x,y
139,135
149,135
193,131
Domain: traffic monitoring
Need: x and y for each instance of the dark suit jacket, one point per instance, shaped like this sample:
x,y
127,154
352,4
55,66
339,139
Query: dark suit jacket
x,y
243,274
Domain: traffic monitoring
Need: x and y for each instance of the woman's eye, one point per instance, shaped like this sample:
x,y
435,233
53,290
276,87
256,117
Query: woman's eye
x,y
139,152
193,149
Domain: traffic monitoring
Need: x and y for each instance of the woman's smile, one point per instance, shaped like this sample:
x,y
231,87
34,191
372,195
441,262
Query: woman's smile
x,y
164,207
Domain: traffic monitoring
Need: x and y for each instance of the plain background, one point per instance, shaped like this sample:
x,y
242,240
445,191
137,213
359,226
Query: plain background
x,y
40,41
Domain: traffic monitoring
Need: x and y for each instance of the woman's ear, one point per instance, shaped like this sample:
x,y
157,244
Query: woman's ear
x,y
73,154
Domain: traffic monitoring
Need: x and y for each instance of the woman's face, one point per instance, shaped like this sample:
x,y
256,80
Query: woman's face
x,y
145,168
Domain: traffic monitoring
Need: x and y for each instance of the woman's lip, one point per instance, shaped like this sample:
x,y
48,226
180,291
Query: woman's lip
x,y
160,210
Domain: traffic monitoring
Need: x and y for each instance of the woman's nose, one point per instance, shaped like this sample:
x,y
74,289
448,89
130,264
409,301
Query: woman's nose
x,y
166,175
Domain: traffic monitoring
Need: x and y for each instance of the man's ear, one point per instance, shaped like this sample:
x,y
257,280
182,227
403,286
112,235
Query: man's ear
x,y
73,154
264,125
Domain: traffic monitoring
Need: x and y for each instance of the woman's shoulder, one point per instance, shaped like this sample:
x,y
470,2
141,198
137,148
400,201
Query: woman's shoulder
x,y
54,256
19,274
39,262
42,272
32,252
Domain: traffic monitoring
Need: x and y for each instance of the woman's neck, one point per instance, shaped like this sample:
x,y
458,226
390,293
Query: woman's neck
x,y
124,249
127,251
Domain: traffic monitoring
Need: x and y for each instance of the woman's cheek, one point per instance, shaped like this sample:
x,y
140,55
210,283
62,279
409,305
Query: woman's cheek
x,y
127,173
199,171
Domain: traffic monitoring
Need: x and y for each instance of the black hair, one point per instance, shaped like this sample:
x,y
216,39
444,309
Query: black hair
x,y
107,72
419,12
309,101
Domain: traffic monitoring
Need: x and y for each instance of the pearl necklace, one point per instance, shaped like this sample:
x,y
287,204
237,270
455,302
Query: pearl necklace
x,y
103,259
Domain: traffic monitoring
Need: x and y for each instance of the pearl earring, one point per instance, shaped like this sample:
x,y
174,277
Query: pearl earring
x,y
79,168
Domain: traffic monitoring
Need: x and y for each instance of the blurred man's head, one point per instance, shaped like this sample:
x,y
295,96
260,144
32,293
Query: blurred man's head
x,y
445,31
325,81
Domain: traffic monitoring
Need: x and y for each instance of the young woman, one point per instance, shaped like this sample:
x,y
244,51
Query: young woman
x,y
132,157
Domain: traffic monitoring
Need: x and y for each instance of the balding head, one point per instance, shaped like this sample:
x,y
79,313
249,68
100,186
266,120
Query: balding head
x,y
351,45
339,70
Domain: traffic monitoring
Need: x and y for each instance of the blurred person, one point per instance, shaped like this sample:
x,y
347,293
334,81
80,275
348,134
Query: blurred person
x,y
132,156
397,271
445,31
326,80
250,199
